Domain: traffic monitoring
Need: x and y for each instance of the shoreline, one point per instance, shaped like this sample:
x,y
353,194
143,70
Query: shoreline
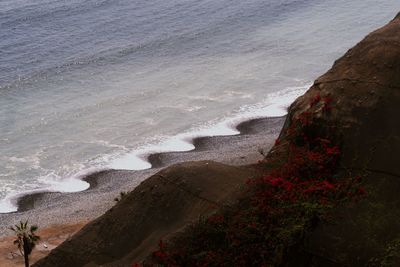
x,y
45,208
165,205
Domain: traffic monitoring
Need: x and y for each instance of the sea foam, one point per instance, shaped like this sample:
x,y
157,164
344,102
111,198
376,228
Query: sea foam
x,y
275,105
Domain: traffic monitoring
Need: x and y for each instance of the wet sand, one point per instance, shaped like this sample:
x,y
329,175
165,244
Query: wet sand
x,y
46,209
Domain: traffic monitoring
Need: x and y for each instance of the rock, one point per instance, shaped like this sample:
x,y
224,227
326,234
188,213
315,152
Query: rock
x,y
365,114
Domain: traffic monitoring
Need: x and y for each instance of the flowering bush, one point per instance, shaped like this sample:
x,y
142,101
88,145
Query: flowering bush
x,y
295,194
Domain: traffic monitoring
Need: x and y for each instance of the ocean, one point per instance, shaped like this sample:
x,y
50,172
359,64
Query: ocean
x,y
98,84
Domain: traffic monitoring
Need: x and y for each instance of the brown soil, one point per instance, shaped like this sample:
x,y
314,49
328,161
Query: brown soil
x,y
160,206
51,237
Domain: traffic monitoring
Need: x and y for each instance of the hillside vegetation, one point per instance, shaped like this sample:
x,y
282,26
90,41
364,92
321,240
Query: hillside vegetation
x,y
327,194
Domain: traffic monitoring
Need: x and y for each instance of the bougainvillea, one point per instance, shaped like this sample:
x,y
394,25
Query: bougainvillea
x,y
281,208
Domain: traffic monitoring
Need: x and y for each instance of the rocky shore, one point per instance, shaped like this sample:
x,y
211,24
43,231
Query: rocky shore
x,y
355,104
58,211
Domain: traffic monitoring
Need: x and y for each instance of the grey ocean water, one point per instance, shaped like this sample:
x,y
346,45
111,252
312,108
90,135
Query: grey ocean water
x,y
87,84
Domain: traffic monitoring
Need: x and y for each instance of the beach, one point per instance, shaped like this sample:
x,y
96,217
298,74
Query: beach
x,y
318,189
47,209
97,98
86,86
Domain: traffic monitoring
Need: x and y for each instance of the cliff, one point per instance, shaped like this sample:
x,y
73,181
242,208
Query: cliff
x,y
160,206
362,101
365,86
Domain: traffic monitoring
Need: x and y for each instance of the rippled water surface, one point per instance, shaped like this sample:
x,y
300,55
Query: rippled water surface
x,y
88,84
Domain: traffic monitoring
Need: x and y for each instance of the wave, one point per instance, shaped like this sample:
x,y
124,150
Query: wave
x,y
274,106
53,183
138,159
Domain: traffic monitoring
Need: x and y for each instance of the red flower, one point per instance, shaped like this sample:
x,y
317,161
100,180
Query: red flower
x,y
327,103
362,191
277,142
327,185
275,181
315,100
333,150
288,186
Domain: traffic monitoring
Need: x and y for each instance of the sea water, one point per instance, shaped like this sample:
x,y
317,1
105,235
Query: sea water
x,y
92,84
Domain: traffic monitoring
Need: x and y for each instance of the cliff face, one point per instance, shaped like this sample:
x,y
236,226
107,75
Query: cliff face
x,y
364,84
364,88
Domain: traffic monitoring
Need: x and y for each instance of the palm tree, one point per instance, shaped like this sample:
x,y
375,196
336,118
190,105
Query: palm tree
x,y
26,239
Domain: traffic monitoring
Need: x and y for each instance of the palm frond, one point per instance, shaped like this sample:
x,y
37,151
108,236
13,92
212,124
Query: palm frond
x,y
26,237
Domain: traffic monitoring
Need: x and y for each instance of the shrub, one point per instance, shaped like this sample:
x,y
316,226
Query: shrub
x,y
283,205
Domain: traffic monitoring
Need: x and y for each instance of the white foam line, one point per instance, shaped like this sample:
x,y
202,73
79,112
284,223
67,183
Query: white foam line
x,y
274,106
7,205
54,183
